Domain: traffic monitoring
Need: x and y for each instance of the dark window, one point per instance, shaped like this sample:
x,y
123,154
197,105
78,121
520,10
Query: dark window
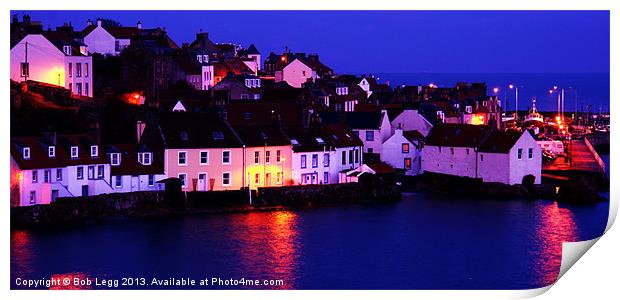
x,y
303,161
204,157
530,153
80,173
326,160
370,135
78,69
151,180
344,157
315,160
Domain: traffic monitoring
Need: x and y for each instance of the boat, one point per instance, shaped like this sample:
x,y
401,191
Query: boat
x,y
533,117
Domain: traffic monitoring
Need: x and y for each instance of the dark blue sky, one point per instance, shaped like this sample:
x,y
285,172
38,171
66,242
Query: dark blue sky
x,y
395,41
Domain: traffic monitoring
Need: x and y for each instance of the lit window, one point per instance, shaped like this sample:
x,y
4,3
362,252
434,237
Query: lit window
x,y
408,163
405,148
257,178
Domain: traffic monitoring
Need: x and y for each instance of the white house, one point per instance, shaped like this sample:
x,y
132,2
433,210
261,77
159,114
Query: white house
x,y
108,40
373,128
508,157
479,151
296,73
403,150
53,58
135,168
321,155
411,119
45,168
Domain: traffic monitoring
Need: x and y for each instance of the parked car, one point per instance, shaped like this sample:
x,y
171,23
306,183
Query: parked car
x,y
548,155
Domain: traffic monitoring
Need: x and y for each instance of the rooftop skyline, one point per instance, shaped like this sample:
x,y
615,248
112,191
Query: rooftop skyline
x,y
393,41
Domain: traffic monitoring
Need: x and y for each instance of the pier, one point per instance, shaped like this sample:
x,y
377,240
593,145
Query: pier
x,y
581,157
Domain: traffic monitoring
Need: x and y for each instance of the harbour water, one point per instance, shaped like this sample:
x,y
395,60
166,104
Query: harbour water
x,y
421,242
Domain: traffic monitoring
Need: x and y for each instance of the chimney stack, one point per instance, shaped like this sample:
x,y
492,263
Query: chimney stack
x,y
99,22
140,129
89,22
139,25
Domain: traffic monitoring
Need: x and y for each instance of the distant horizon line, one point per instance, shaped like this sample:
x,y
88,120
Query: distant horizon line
x,y
507,73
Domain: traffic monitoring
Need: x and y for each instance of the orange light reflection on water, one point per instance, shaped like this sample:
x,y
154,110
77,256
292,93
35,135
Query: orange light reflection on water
x,y
556,225
277,233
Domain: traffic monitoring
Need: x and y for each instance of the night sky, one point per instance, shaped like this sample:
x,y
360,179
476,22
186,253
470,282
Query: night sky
x,y
395,41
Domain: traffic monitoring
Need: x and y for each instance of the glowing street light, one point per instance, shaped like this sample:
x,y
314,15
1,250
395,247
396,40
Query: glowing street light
x,y
516,88
495,90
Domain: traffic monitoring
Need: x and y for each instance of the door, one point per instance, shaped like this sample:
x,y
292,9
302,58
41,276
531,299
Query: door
x,y
54,195
268,179
202,182
85,190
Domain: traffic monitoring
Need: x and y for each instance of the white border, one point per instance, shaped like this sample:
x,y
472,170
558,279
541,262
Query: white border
x,y
595,277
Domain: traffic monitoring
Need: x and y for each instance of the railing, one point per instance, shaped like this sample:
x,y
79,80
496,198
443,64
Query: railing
x,y
596,156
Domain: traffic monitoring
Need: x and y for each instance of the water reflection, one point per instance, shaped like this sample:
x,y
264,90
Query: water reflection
x,y
269,247
555,225
70,281
21,251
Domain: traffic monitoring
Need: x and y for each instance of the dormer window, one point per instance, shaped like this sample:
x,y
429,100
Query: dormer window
x,y
145,158
115,159
66,49
468,109
199,58
51,151
26,153
94,151
205,58
74,152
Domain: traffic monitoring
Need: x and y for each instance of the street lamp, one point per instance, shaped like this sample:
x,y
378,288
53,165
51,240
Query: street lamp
x,y
516,88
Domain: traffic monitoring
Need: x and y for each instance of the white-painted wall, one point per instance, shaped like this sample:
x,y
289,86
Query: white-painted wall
x,y
441,160
208,79
411,119
310,174
137,183
392,154
50,65
296,73
101,41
